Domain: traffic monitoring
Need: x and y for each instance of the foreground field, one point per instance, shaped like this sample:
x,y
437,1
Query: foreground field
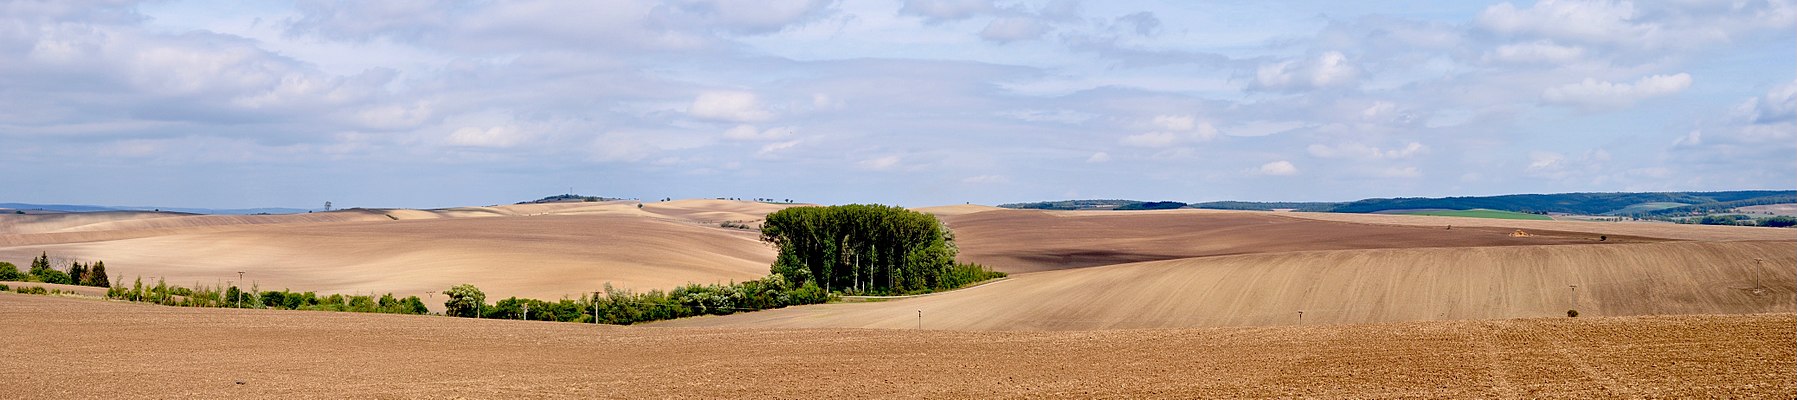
x,y
142,351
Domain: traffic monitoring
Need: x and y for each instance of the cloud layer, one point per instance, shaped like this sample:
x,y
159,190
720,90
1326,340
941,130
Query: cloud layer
x,y
912,102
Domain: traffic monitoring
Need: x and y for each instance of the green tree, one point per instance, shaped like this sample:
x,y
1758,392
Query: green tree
x,y
77,273
465,300
9,272
40,264
97,276
861,248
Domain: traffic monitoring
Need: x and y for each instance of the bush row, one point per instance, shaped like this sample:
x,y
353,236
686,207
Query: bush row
x,y
623,307
232,297
92,274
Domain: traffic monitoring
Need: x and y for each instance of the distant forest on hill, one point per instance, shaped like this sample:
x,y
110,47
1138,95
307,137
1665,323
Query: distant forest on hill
x,y
1639,205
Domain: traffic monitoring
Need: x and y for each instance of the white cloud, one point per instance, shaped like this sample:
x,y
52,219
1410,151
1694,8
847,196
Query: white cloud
x,y
1069,117
749,132
1175,122
1400,172
1170,130
1325,70
1594,94
946,10
1362,151
1536,52
880,163
498,136
1151,139
729,106
1778,105
1586,21
1279,168
1262,128
1098,157
1545,161
985,179
775,148
1013,28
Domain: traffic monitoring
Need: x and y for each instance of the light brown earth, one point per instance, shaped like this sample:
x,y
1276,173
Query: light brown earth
x,y
1192,267
1336,287
73,348
1027,240
1772,209
533,250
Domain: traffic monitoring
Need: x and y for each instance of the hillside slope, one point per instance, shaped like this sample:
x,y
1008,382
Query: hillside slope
x,y
1341,287
538,250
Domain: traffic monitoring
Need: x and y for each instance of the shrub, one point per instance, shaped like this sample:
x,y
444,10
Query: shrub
x,y
3,287
1572,313
32,290
9,272
53,276
464,301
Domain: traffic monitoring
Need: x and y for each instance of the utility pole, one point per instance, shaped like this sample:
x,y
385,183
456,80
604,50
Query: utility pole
x,y
527,305
919,319
1575,296
1300,317
595,308
240,290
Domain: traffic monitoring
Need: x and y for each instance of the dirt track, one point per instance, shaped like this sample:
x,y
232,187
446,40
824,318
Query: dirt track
x,y
141,351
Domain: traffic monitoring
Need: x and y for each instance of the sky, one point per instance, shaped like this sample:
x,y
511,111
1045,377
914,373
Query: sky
x,y
230,104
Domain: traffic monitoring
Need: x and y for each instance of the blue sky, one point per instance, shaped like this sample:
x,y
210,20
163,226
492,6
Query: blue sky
x,y
421,104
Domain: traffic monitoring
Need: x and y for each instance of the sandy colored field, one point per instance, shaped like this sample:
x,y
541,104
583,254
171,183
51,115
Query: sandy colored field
x,y
144,351
1644,229
1027,240
1774,209
565,249
536,250
1336,287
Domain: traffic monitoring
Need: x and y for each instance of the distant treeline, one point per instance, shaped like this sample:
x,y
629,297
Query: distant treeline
x,y
1070,204
1722,206
1268,206
570,198
1743,220
1569,203
1617,204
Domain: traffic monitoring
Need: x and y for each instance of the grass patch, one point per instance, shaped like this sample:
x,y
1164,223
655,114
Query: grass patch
x,y
1481,213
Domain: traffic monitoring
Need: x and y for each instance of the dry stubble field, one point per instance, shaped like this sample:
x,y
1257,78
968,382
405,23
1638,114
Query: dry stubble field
x,y
141,351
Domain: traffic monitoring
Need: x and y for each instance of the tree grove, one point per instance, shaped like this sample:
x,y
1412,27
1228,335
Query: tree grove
x,y
860,248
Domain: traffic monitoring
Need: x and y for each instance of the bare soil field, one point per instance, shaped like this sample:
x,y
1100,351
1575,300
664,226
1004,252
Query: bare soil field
x,y
1770,209
565,249
1341,287
538,250
1018,241
1662,230
145,351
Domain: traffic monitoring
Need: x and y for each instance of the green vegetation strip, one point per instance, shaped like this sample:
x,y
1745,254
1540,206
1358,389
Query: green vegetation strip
x,y
1481,213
